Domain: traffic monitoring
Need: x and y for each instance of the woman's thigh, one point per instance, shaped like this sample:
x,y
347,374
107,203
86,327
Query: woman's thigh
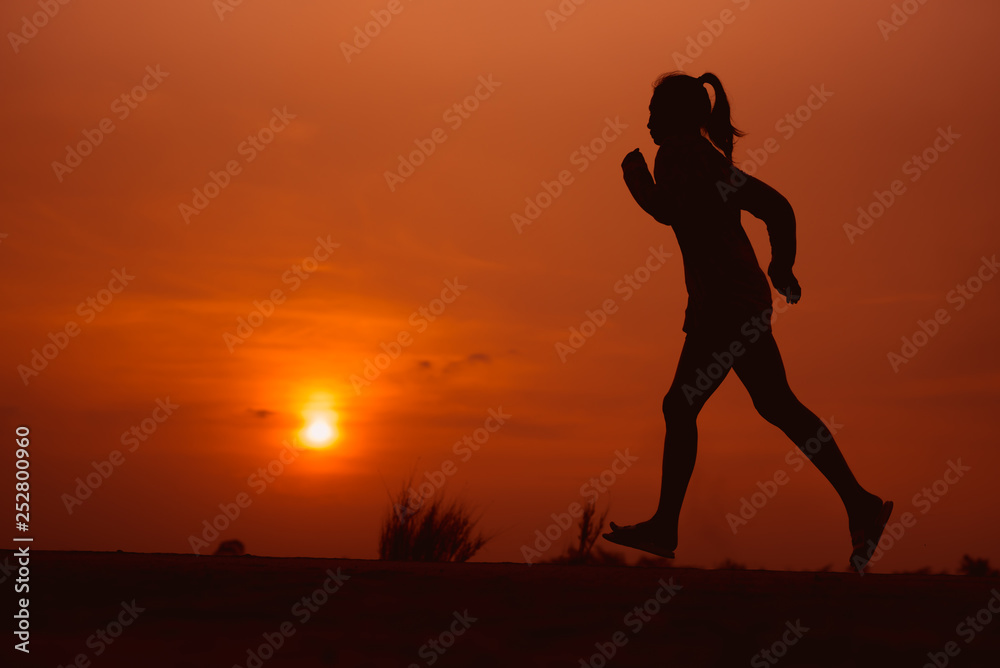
x,y
762,371
702,367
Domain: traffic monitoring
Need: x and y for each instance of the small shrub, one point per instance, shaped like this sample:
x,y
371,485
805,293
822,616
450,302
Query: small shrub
x,y
979,568
441,531
581,550
230,548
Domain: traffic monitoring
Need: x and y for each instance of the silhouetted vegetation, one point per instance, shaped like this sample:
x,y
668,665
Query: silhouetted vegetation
x,y
441,531
730,565
979,568
230,548
589,530
581,550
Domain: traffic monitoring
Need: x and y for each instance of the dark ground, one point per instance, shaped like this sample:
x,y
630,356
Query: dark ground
x,y
211,611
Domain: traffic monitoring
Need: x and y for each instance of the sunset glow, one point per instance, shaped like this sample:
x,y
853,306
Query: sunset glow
x,y
406,250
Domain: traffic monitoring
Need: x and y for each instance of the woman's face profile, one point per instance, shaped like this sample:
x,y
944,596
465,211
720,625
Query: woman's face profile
x,y
665,121
657,126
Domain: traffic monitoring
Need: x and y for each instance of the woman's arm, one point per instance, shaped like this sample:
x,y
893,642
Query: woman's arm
x,y
767,204
644,190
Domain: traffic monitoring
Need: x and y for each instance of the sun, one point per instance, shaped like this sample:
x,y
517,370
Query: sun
x,y
321,429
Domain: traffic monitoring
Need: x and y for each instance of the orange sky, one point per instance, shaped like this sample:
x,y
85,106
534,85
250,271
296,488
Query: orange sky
x,y
318,171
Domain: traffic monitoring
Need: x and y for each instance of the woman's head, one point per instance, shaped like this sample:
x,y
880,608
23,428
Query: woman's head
x,y
681,106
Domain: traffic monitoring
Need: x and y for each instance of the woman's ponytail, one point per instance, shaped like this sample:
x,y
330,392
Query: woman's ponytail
x,y
720,126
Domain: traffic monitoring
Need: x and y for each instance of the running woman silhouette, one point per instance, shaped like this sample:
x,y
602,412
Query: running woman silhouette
x,y
699,192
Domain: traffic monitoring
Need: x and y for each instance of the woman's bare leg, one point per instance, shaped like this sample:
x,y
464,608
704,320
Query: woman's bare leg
x,y
761,370
684,400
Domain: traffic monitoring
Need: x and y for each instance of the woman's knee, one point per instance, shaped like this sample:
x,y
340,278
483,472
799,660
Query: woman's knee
x,y
778,408
679,405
